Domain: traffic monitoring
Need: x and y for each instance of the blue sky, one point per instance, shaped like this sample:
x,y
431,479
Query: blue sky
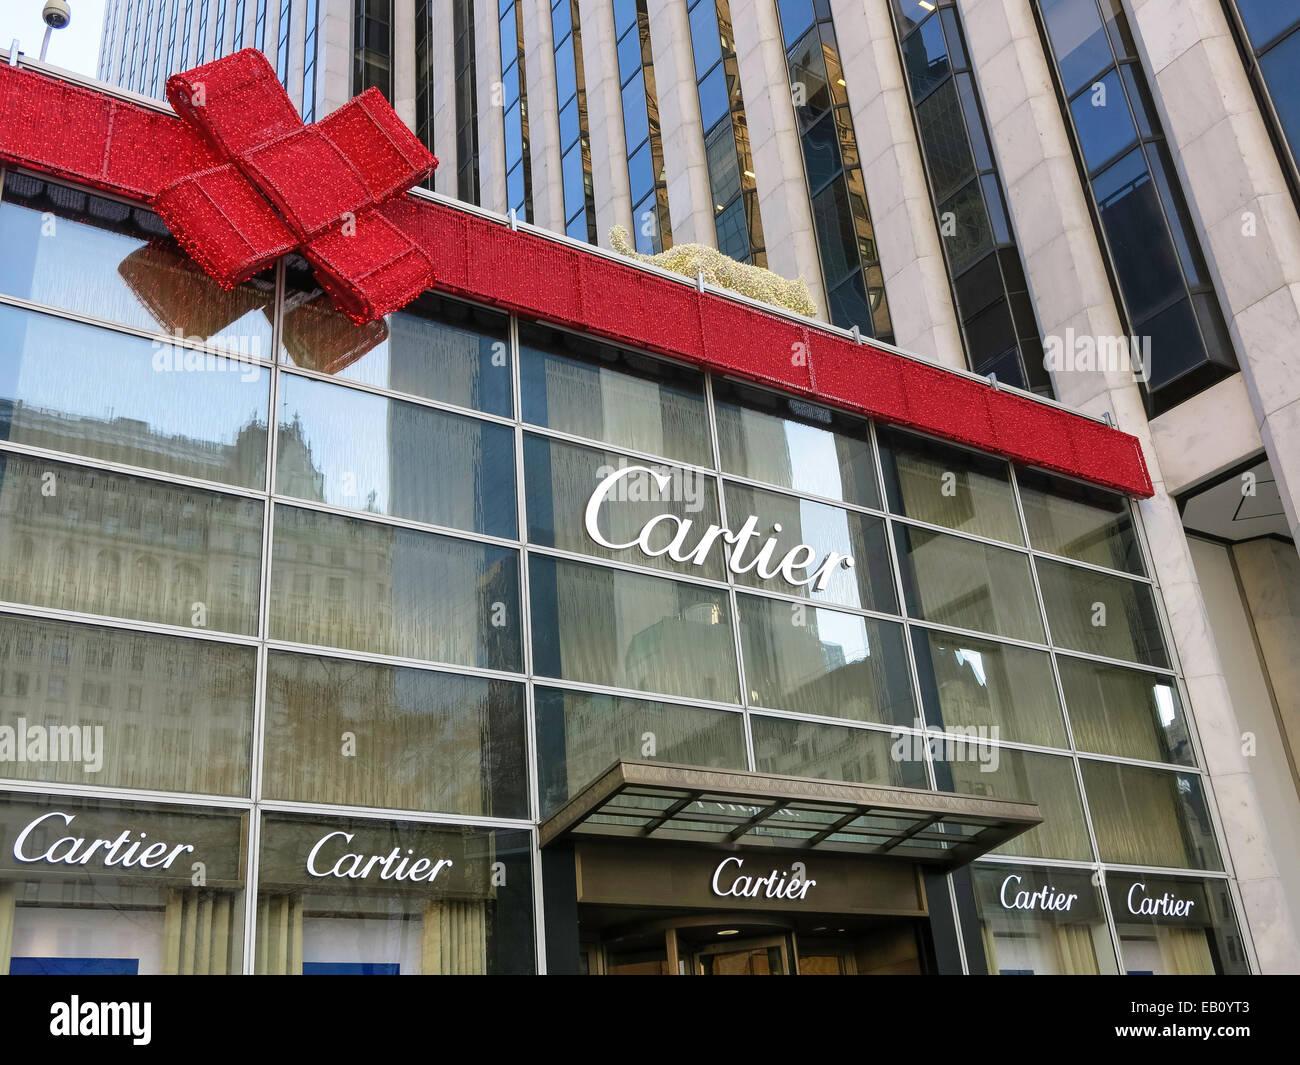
x,y
75,47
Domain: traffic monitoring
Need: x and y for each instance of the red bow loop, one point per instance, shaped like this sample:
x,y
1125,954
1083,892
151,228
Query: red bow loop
x,y
287,185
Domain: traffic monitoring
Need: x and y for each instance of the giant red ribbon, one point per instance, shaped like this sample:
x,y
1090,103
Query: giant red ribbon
x,y
282,185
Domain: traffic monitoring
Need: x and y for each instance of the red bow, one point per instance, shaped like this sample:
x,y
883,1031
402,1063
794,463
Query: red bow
x,y
326,189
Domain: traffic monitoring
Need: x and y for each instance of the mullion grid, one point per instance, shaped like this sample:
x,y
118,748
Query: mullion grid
x,y
256,801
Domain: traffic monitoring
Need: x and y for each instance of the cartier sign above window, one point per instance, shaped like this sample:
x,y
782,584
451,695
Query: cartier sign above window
x,y
677,538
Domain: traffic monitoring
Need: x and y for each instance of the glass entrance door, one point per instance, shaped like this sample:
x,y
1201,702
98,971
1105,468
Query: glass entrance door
x,y
749,957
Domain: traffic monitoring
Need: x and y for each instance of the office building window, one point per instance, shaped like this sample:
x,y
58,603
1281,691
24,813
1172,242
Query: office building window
x,y
373,60
284,27
309,63
514,100
1146,231
201,42
1269,34
218,33
855,284
726,135
467,183
989,290
160,75
423,76
237,39
259,27
645,150
575,144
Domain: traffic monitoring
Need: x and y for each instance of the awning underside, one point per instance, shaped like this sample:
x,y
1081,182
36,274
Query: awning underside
x,y
684,804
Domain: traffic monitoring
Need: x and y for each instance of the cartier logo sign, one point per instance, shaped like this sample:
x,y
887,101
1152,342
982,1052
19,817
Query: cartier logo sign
x,y
728,879
122,850
795,567
321,862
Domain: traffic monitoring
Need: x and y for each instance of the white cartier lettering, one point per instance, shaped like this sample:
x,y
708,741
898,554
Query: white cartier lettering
x,y
795,567
123,851
1045,898
392,866
777,884
1167,905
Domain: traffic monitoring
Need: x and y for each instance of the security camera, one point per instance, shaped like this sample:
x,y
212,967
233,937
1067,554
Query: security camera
x,y
57,14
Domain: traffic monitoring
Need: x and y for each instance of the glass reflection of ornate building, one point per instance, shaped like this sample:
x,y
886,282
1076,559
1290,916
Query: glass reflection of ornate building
x,y
310,661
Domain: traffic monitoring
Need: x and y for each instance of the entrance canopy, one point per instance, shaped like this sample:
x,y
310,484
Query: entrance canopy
x,y
729,808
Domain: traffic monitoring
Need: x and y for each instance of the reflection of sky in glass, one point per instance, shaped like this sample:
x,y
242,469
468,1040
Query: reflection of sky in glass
x,y
1165,704
347,432
76,266
814,458
79,371
846,631
965,656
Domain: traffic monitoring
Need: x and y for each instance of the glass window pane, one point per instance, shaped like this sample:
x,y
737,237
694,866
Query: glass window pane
x,y
1134,222
1079,521
943,485
572,176
925,56
434,348
812,544
629,630
943,135
561,479
128,709
807,61
714,101
1078,40
821,153
589,389
705,42
509,90
1125,712
105,543
1265,19
848,305
561,24
636,127
363,896
1103,122
796,16
344,582
815,661
624,14
425,740
969,235
641,176
1149,816
103,258
361,451
982,688
1038,920
1177,926
1281,70
786,442
1021,776
837,235
580,735
724,169
831,752
1101,615
72,387
86,912
569,124
970,585
629,54
566,82
733,231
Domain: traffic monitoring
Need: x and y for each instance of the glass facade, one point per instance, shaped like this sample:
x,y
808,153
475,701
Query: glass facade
x,y
1146,231
309,62
726,134
314,659
284,33
424,76
989,290
1269,31
575,143
372,58
846,239
514,102
647,179
467,181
